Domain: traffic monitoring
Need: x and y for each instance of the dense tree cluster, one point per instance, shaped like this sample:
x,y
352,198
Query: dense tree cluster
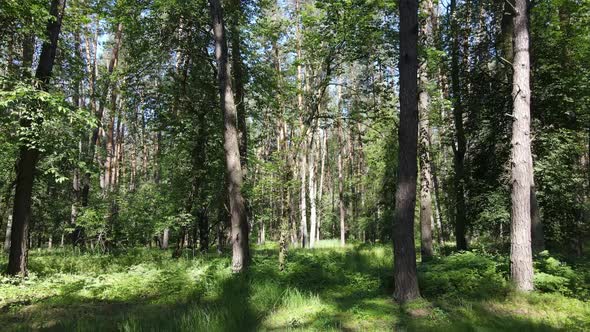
x,y
198,124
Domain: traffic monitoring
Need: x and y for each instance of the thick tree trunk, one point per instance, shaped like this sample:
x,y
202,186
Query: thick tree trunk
x,y
239,223
27,162
460,147
522,169
507,47
405,278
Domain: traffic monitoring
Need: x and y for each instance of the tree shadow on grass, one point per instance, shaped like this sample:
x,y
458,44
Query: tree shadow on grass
x,y
354,288
229,310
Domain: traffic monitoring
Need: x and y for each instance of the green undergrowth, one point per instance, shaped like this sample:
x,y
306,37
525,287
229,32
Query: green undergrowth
x,y
324,289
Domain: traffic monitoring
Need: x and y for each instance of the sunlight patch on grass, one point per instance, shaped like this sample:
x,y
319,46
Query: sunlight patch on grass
x,y
296,309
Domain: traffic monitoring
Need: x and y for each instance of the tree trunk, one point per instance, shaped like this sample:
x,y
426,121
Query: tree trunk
x,y
340,174
323,147
165,238
312,192
303,152
91,68
302,192
8,234
537,231
239,224
522,169
424,135
460,147
27,162
204,230
425,178
238,71
406,281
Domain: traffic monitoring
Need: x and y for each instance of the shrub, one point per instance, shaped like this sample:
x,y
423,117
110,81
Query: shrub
x,y
465,275
552,275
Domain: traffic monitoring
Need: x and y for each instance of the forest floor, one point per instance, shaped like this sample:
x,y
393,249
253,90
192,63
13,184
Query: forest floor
x,y
324,289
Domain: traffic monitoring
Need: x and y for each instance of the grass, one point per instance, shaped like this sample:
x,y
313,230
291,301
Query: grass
x,y
324,289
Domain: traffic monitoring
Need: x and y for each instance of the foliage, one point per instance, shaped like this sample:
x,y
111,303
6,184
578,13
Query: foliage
x,y
463,275
552,275
143,289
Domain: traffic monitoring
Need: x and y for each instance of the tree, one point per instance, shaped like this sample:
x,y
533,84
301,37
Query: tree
x,y
239,77
521,259
460,147
29,156
404,269
426,35
239,224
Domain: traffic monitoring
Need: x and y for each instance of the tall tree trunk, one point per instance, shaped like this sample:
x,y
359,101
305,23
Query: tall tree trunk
x,y
506,43
340,173
303,193
91,69
312,192
239,77
521,260
239,223
425,177
28,157
304,138
426,37
323,147
404,269
460,145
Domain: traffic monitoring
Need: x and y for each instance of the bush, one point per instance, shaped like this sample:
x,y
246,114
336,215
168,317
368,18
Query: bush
x,y
465,275
552,275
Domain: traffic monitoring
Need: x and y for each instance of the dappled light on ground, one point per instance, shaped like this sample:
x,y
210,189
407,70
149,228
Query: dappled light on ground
x,y
324,289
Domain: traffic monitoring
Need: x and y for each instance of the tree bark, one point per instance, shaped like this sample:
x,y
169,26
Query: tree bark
x,y
28,157
506,43
312,192
323,147
405,278
460,147
8,234
165,238
239,77
425,179
239,223
304,139
521,260
341,206
424,136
